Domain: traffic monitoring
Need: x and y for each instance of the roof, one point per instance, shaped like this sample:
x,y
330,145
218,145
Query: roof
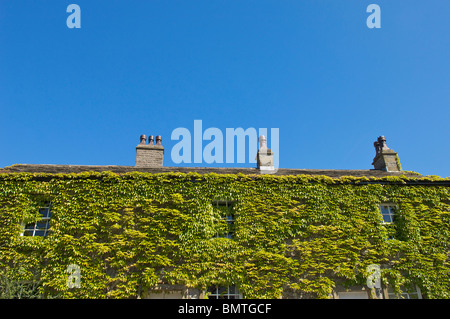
x,y
67,169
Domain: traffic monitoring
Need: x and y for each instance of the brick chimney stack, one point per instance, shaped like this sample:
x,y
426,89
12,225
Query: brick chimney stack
x,y
385,158
149,155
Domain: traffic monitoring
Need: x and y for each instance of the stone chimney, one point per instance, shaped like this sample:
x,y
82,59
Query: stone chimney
x,y
149,155
385,158
264,157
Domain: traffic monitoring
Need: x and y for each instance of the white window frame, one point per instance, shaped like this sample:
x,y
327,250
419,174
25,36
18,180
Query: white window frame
x,y
405,294
224,295
391,212
31,229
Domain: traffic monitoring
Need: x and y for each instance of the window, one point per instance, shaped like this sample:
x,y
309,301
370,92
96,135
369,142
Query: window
x,y
412,293
41,226
226,208
229,292
388,212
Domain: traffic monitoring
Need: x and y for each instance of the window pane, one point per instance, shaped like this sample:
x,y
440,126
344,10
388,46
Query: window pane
x,y
30,226
47,213
44,211
387,218
42,224
212,290
223,290
39,233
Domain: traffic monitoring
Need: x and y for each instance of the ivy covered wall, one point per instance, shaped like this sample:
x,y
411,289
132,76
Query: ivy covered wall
x,y
301,235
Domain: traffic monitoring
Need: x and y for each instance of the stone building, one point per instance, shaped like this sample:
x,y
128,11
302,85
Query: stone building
x,y
150,231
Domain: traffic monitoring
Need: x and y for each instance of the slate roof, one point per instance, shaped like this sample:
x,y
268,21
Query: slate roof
x,y
65,169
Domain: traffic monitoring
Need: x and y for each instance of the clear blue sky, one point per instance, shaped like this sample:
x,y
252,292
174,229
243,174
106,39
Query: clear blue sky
x,y
311,68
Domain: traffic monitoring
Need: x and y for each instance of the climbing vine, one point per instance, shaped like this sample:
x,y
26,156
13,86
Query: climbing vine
x,y
292,235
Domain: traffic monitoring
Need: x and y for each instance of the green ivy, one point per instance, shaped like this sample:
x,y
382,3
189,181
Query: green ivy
x,y
299,234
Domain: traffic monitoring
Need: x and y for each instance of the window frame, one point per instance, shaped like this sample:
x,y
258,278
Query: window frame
x,y
405,294
229,217
34,227
392,210
228,295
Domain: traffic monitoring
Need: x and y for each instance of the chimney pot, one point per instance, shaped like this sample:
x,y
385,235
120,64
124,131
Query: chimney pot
x,y
158,140
264,157
143,139
382,142
262,142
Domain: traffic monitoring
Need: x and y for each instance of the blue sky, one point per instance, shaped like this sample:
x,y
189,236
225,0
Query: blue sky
x,y
313,69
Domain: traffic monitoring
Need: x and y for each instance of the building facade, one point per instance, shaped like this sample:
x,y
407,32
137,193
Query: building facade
x,y
149,231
